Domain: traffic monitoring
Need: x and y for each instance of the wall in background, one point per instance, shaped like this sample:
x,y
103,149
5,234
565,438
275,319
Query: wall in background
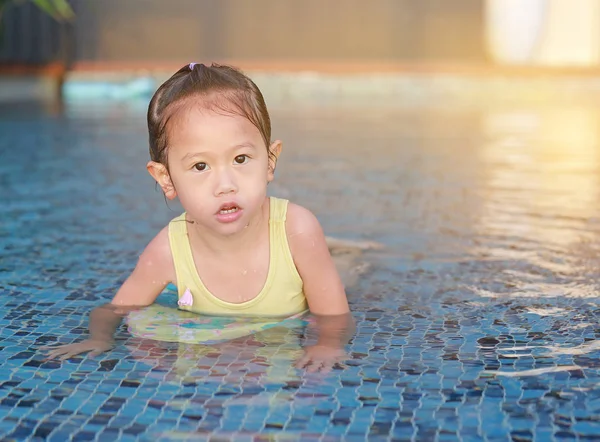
x,y
31,37
273,30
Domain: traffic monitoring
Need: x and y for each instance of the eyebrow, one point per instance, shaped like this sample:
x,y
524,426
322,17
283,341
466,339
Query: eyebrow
x,y
193,155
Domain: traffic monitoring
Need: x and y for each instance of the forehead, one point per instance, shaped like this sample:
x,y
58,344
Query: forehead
x,y
198,125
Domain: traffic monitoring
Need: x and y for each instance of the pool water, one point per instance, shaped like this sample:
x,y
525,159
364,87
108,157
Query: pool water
x,y
478,320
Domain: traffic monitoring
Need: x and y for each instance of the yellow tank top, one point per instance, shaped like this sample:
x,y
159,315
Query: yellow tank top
x,y
282,294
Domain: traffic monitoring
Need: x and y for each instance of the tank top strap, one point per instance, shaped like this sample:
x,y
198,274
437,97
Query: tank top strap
x,y
178,236
182,252
278,209
281,256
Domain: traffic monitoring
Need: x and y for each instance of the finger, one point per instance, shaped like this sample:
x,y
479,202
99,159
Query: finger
x,y
54,354
341,359
303,361
327,366
62,348
68,355
314,367
94,353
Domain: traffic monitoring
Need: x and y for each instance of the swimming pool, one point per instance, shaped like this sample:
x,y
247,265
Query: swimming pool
x,y
478,321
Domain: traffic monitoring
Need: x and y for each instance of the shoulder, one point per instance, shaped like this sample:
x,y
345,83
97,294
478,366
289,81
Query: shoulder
x,y
304,233
301,222
157,253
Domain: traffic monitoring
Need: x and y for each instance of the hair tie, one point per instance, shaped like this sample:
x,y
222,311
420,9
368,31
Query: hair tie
x,y
192,66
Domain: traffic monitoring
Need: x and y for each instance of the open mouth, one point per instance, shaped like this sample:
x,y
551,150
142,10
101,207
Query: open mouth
x,y
228,208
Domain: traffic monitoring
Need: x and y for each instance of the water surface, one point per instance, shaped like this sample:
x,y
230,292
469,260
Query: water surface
x,y
479,318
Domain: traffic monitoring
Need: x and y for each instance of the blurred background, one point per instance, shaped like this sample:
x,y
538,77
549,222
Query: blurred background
x,y
45,42
506,88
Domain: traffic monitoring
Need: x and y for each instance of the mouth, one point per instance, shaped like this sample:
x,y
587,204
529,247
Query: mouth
x,y
229,212
228,208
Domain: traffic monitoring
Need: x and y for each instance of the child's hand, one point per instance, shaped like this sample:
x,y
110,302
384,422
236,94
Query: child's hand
x,y
321,358
66,351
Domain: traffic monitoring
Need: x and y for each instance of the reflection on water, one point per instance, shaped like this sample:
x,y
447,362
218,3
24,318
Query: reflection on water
x,y
263,350
542,172
542,175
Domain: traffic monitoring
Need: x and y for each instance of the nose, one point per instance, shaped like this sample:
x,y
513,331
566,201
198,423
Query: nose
x,y
225,182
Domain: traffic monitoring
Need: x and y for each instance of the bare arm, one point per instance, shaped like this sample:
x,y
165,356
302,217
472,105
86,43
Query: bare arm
x,y
334,331
154,270
323,287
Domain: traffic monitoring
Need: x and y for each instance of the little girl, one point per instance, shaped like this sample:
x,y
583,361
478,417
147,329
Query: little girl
x,y
235,251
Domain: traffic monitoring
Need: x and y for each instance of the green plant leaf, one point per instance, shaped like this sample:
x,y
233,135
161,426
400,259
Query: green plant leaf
x,y
59,9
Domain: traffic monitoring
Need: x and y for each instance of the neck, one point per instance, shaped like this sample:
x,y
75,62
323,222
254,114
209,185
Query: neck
x,y
244,240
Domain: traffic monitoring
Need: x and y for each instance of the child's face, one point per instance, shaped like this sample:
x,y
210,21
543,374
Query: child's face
x,y
219,168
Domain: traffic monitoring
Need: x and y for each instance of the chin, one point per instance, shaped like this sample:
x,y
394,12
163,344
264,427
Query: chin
x,y
231,230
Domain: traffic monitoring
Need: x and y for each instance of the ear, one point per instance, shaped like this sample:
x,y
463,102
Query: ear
x,y
160,173
274,151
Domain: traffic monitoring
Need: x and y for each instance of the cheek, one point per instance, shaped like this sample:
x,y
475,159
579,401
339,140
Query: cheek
x,y
185,187
261,167
253,171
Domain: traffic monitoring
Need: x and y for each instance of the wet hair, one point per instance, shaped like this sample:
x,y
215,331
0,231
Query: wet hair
x,y
217,88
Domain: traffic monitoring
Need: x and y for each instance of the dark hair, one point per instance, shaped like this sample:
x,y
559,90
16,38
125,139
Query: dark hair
x,y
221,88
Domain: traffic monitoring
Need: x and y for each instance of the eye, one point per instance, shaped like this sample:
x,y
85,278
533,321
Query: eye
x,y
200,167
241,159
